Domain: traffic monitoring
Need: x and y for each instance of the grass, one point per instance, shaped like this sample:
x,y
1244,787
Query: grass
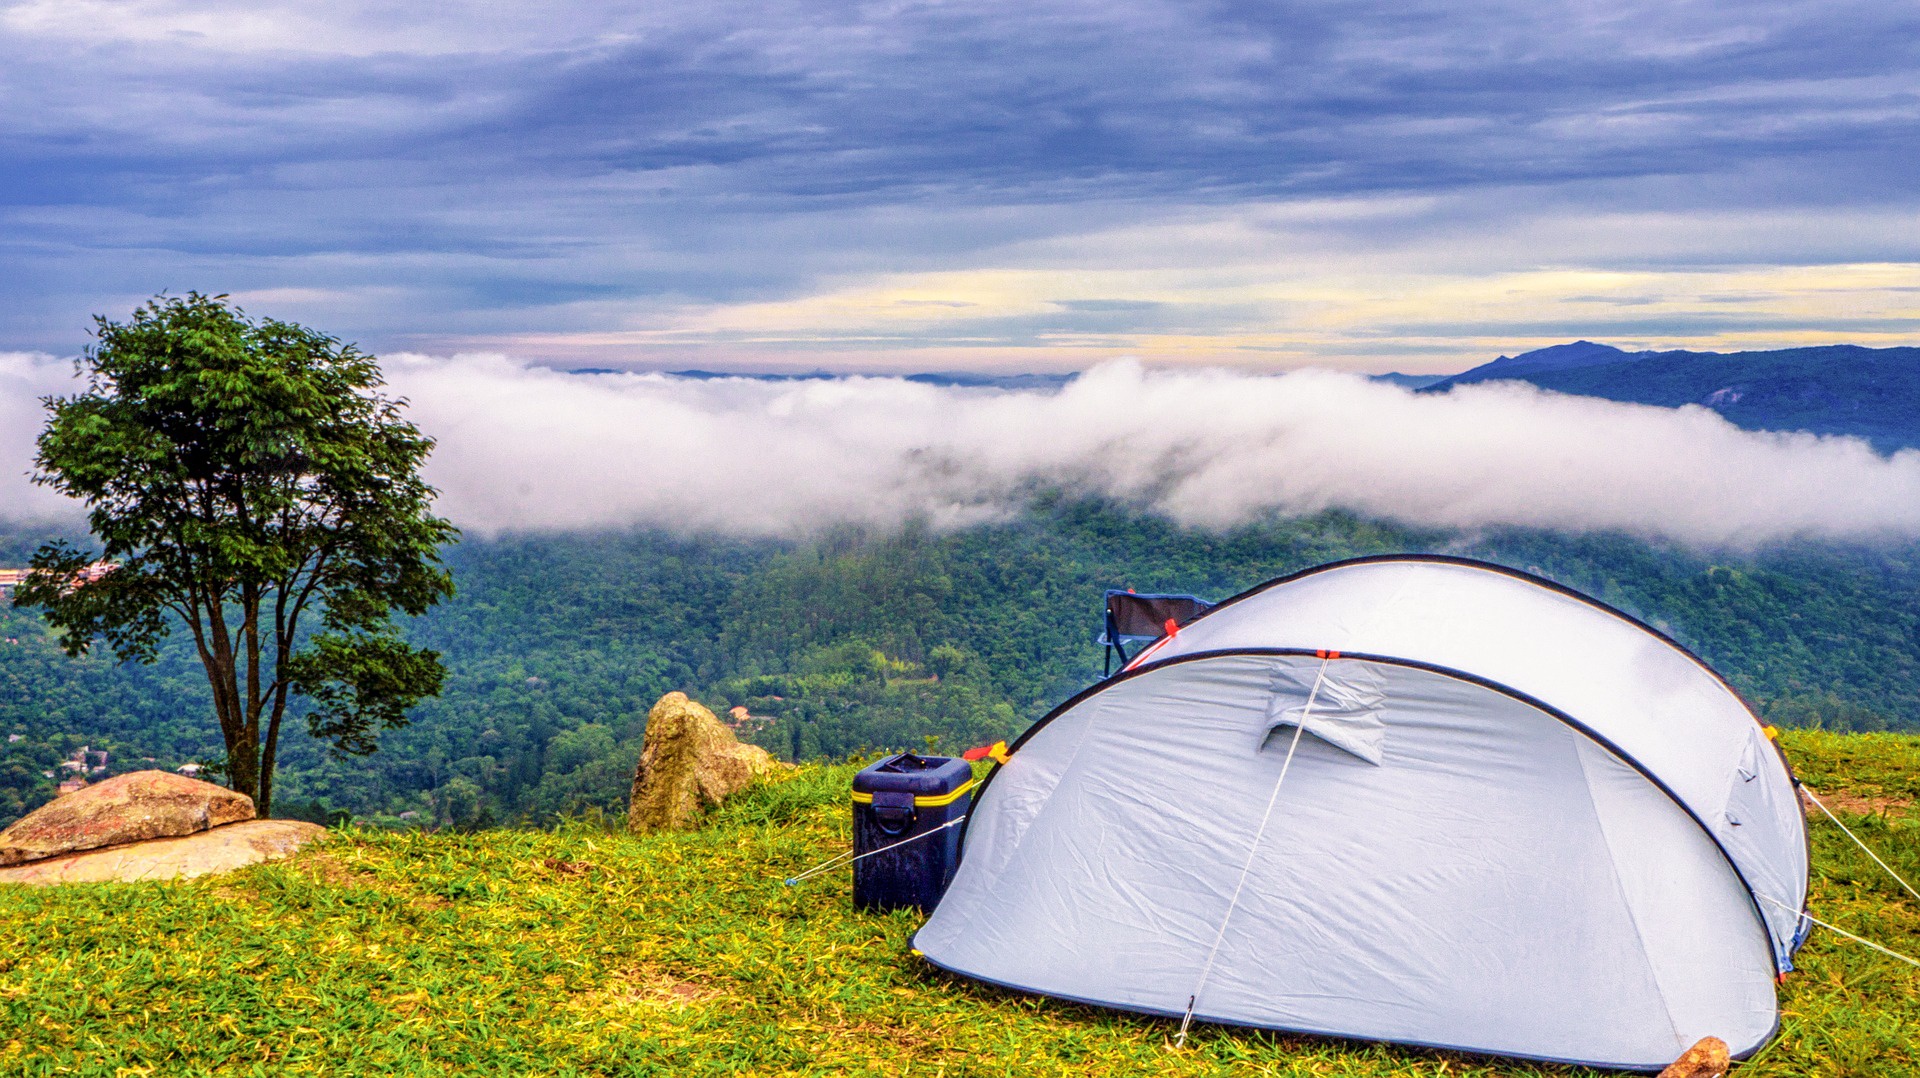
x,y
583,951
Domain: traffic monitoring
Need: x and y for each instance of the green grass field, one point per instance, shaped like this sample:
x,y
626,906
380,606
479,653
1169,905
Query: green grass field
x,y
582,951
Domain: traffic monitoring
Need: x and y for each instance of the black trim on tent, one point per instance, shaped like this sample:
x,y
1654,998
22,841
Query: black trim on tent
x,y
1766,929
1740,1056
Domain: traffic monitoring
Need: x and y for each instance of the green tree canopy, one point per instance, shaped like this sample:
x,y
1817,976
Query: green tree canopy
x,y
249,480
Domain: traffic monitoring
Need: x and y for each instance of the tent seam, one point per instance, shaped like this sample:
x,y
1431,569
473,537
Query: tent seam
x,y
1020,850
1613,871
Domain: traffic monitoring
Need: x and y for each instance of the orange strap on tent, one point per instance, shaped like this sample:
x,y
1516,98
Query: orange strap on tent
x,y
997,752
1323,654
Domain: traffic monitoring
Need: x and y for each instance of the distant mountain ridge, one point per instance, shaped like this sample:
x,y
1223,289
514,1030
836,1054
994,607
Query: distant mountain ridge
x,y
1828,389
1556,357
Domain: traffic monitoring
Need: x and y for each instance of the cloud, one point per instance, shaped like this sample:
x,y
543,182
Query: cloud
x,y
25,377
525,448
1218,292
459,173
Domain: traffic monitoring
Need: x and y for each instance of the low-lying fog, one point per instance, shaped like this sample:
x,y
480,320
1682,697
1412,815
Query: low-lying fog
x,y
529,448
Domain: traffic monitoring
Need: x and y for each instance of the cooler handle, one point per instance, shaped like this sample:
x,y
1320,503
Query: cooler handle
x,y
893,811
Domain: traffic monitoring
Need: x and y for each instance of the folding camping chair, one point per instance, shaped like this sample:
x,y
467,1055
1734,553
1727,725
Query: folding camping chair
x,y
1142,619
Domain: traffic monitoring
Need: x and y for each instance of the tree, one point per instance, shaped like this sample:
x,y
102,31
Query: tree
x,y
247,480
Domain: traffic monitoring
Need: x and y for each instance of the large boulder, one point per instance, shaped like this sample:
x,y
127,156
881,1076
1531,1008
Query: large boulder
x,y
222,849
689,763
126,808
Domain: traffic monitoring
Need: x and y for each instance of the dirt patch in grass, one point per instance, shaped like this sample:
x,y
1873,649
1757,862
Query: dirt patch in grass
x,y
555,866
650,987
904,1037
321,868
325,869
1855,802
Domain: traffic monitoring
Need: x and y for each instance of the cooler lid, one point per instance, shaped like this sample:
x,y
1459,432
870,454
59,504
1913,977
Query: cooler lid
x,y
908,772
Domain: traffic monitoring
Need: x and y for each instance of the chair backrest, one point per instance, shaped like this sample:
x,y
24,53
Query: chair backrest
x,y
1133,618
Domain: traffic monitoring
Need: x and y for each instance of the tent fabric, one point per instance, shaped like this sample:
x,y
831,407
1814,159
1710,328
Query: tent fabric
x,y
1340,707
1656,703
1452,860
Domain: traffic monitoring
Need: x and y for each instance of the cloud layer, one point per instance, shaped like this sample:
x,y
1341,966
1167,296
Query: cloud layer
x,y
528,448
524,448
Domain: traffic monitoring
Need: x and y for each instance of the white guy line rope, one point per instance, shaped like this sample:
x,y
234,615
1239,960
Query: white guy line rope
x,y
1206,971
1856,841
1888,951
845,859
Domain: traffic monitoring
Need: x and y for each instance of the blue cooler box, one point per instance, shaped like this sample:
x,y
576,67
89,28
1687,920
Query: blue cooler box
x,y
899,798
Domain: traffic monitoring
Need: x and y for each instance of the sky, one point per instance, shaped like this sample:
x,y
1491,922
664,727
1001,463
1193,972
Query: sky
x,y
1041,186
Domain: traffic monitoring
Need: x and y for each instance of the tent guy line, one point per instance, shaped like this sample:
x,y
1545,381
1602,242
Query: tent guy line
x,y
1253,849
1856,841
1862,940
849,857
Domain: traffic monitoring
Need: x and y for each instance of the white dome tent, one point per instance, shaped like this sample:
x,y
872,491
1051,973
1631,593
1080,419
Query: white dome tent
x,y
1524,824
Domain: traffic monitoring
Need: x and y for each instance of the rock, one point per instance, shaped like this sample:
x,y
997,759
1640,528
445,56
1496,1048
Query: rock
x,y
126,808
1707,1059
690,762
222,849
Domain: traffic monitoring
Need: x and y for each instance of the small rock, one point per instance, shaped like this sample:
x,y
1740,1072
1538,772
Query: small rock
x,y
222,849
689,762
126,808
1707,1059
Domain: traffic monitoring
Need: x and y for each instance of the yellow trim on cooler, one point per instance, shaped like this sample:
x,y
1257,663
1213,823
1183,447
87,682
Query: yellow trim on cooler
x,y
860,798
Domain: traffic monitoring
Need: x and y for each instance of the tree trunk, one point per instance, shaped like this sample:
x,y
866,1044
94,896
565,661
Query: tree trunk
x,y
243,765
263,801
242,761
243,773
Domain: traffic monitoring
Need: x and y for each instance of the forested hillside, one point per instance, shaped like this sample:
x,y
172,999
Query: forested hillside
x,y
557,644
